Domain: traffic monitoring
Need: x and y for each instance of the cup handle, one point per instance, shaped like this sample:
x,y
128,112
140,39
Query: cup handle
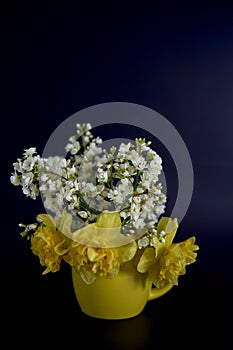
x,y
158,292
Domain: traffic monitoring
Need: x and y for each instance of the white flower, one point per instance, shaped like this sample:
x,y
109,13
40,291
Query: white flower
x,y
83,214
15,180
91,179
124,149
143,242
30,151
102,175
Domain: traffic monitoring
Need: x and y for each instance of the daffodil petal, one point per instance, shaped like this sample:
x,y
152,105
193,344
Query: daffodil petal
x,y
188,249
175,254
87,275
153,273
170,227
126,252
163,222
147,260
113,272
59,248
47,221
93,254
65,223
105,232
109,219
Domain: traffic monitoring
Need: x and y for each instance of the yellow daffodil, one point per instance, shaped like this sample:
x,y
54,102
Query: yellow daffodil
x,y
48,243
166,261
99,249
49,247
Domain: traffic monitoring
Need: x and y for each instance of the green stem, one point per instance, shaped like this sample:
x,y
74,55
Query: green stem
x,y
84,205
136,179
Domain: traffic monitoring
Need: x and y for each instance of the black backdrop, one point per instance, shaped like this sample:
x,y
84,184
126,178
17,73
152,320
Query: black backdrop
x,y
59,58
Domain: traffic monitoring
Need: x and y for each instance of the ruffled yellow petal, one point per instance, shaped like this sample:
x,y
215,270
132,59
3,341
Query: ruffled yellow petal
x,y
108,219
87,275
126,252
94,254
47,221
173,255
65,224
169,226
105,232
61,249
188,249
146,260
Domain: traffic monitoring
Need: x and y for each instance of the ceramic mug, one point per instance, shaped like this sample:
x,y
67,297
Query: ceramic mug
x,y
123,297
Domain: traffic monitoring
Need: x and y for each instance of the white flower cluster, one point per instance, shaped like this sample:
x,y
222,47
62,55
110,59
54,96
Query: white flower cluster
x,y
91,179
27,172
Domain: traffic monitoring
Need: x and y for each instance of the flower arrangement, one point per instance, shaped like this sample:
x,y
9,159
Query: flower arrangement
x,y
103,208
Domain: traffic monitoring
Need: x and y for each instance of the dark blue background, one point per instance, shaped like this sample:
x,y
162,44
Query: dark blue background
x,y
174,58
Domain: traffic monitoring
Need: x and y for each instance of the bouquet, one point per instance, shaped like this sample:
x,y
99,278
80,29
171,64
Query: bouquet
x,y
103,208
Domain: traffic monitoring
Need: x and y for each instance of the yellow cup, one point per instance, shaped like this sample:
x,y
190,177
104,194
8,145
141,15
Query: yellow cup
x,y
123,297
